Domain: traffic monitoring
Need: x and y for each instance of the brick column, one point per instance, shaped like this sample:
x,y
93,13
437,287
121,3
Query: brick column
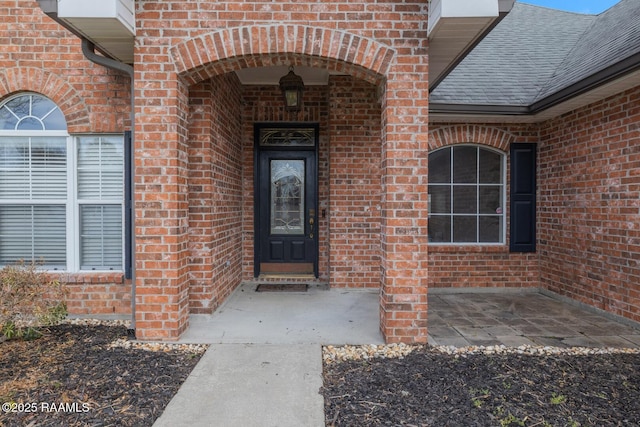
x,y
161,198
404,218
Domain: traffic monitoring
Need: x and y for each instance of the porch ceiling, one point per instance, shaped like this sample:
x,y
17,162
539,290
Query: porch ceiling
x,y
270,76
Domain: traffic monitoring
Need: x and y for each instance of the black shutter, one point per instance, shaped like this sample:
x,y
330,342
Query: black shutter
x,y
523,198
128,205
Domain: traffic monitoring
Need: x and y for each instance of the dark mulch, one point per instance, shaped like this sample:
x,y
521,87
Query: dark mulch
x,y
428,388
96,385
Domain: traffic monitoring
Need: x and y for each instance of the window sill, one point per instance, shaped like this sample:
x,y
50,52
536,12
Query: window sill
x,y
116,277
497,248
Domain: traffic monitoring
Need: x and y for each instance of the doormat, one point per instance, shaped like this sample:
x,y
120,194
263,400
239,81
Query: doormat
x,y
282,287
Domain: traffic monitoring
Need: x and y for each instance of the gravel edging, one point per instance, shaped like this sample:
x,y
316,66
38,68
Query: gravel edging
x,y
133,344
334,354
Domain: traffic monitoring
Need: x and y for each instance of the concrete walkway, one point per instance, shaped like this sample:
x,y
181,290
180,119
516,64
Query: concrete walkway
x,y
264,366
251,385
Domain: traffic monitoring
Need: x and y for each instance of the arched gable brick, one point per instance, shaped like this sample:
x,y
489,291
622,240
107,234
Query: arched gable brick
x,y
21,79
464,134
230,49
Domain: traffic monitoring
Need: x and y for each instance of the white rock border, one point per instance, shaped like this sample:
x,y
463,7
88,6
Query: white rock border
x,y
335,354
138,345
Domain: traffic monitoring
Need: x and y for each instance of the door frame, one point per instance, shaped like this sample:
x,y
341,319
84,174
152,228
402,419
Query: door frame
x,y
258,197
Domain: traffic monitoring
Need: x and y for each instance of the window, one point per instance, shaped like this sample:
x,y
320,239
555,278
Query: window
x,y
60,196
466,195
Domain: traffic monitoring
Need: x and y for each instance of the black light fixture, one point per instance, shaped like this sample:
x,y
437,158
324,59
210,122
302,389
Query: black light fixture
x,y
292,86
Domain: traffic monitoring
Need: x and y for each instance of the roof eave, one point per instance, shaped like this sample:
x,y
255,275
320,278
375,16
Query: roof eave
x,y
600,78
455,28
534,112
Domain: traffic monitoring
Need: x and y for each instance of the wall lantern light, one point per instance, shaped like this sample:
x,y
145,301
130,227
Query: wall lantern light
x,y
292,86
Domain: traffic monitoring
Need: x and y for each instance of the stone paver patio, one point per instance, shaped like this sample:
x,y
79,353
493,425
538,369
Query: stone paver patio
x,y
521,318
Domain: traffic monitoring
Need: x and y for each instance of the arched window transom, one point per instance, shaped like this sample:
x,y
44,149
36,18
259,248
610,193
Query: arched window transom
x,y
31,112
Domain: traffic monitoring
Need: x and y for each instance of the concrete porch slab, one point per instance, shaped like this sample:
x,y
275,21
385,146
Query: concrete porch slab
x,y
318,316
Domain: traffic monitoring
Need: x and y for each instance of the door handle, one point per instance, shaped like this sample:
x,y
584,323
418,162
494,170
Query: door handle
x,y
312,222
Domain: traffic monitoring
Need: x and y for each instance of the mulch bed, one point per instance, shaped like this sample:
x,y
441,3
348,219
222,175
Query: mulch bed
x,y
74,377
429,388
71,377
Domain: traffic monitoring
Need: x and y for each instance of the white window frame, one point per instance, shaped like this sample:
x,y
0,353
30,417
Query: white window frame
x,y
503,178
72,202
78,202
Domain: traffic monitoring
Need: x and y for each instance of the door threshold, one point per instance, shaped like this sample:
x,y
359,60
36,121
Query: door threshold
x,y
286,276
307,279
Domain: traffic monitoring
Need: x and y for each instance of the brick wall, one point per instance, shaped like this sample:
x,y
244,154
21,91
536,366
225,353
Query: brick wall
x,y
473,266
589,204
348,175
38,55
194,166
588,208
215,192
355,183
382,43
96,294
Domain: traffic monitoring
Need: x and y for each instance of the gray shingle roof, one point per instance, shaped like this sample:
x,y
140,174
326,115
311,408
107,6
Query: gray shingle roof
x,y
535,52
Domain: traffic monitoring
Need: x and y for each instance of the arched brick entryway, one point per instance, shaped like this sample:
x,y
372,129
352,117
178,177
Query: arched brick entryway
x,y
231,49
397,68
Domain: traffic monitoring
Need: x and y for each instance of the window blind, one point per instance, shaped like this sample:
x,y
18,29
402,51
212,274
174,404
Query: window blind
x,y
34,169
100,194
100,168
33,232
100,237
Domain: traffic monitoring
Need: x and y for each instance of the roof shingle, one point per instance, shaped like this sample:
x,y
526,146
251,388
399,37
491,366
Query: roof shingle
x,y
534,52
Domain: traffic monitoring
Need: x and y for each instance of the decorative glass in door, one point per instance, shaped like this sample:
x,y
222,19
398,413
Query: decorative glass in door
x,y
287,197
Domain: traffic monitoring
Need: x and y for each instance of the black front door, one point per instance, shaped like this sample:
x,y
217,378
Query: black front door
x,y
286,199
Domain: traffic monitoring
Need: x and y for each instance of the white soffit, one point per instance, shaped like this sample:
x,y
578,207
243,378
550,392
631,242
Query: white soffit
x,y
269,76
109,24
455,26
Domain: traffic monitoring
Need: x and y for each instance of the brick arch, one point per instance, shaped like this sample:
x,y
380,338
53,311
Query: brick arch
x,y
476,134
230,49
14,80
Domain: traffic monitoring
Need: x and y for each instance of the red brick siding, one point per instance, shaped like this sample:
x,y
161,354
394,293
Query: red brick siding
x,y
355,184
381,43
215,192
589,204
467,266
95,294
38,55
162,217
371,41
